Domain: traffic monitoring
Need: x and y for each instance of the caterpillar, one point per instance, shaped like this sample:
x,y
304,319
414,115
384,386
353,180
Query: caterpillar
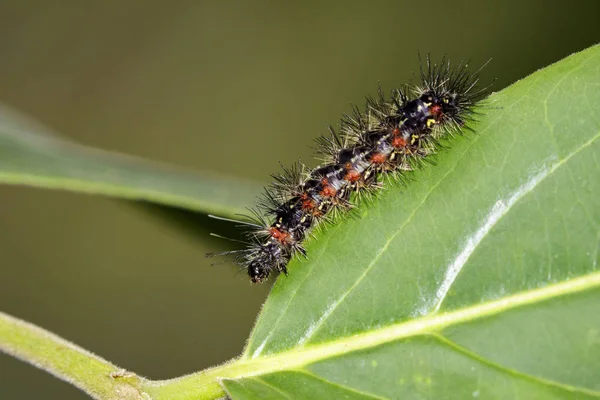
x,y
391,136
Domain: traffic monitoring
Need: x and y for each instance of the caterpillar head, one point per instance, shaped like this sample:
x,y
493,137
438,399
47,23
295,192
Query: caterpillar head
x,y
451,91
257,272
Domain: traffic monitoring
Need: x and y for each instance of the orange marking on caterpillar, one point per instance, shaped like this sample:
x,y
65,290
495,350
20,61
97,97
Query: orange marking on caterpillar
x,y
279,235
436,110
378,158
399,142
328,190
309,205
352,176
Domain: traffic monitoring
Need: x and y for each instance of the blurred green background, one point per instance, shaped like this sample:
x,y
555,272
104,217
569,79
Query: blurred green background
x,y
230,87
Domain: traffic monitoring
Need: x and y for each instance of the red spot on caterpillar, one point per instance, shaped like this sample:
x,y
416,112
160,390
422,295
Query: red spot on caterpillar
x,y
352,176
328,190
396,131
436,111
309,205
399,142
279,235
378,158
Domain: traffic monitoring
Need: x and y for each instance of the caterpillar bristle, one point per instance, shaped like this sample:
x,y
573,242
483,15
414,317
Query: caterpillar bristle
x,y
389,137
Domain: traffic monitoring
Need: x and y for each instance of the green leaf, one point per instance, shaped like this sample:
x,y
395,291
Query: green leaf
x,y
479,279
30,156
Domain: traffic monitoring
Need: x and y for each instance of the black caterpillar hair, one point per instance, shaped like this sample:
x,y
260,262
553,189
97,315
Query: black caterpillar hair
x,y
391,136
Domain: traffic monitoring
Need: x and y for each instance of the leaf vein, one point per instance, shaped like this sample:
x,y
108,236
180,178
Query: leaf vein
x,y
532,378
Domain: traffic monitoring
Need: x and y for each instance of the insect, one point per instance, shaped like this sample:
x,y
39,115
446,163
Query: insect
x,y
391,136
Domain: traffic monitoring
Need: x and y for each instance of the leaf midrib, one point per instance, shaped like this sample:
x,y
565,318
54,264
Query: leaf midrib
x,y
298,358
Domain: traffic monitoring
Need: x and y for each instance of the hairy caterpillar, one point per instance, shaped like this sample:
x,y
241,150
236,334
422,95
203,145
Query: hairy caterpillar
x,y
391,136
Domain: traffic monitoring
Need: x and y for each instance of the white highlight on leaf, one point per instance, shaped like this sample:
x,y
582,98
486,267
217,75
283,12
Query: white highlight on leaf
x,y
498,211
318,323
261,347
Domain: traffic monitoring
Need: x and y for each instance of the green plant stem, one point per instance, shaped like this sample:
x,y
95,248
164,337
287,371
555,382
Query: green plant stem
x,y
97,377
